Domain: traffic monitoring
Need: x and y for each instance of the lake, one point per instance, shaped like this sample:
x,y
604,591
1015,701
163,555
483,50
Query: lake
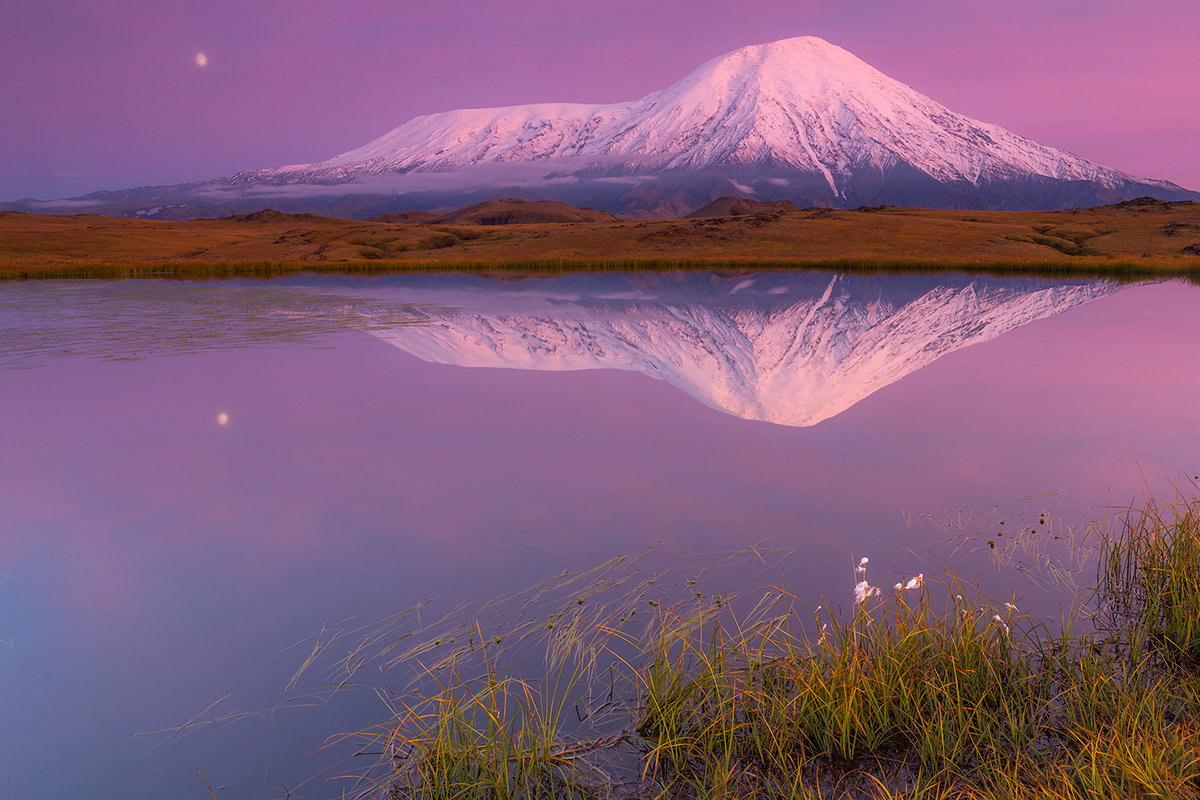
x,y
198,478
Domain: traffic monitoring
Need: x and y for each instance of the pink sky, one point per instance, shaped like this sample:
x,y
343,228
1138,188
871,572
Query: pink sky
x,y
107,94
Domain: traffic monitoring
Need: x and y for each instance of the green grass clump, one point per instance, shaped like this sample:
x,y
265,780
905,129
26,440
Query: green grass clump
x,y
1150,572
927,690
899,682
906,677
492,738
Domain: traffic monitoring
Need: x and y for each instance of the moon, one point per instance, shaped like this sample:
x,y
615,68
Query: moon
x,y
222,418
201,59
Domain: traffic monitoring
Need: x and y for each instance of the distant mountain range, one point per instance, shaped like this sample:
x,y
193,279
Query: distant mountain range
x,y
792,348
799,120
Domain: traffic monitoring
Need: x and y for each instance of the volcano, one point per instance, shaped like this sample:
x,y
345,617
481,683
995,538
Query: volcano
x,y
800,120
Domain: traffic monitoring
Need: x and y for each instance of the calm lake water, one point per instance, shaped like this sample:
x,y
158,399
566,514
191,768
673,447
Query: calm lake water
x,y
196,478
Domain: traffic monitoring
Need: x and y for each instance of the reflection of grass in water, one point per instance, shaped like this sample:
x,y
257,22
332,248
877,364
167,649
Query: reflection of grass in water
x,y
557,618
1050,554
1100,269
131,320
923,692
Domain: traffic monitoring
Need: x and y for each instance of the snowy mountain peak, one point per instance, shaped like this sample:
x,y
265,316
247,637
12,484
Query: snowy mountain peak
x,y
799,102
788,71
807,104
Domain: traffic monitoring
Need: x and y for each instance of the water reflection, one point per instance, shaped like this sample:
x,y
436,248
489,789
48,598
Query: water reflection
x,y
788,348
131,320
154,560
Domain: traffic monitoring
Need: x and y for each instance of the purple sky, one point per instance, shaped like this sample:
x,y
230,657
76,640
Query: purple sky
x,y
107,94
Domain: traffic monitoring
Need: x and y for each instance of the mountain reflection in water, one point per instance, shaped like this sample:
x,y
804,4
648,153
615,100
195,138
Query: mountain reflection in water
x,y
792,348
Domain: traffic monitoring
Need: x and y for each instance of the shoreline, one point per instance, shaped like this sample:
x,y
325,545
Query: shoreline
x,y
198,270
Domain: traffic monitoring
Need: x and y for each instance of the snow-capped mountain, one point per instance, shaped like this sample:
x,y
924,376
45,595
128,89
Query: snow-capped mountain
x,y
798,119
797,104
789,348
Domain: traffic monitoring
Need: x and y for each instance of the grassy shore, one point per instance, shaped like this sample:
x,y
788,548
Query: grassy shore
x,y
1133,240
925,690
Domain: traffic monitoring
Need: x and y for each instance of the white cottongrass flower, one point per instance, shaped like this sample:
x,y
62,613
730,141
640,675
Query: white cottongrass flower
x,y
863,591
899,587
824,630
917,582
996,619
1010,606
861,569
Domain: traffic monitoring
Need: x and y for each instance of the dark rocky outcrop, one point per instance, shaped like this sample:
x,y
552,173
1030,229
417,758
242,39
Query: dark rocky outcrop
x,y
742,206
513,211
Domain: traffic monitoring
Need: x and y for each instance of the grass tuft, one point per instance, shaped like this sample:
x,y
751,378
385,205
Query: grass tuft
x,y
1150,575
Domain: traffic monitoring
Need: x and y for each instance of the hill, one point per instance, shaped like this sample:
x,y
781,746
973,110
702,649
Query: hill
x,y
740,206
511,211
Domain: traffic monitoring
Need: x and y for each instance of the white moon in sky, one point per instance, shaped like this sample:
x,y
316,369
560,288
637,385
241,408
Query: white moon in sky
x,y
222,418
201,59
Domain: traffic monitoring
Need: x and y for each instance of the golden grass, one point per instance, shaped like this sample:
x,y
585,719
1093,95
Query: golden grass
x,y
1131,240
